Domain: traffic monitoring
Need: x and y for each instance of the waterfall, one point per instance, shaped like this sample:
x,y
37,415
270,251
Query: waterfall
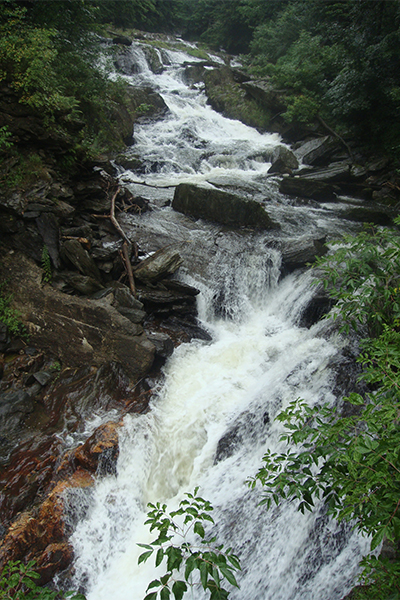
x,y
213,419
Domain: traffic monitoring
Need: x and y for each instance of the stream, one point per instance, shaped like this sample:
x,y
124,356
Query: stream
x,y
213,419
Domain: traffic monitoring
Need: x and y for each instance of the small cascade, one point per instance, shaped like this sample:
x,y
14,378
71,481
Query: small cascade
x,y
213,419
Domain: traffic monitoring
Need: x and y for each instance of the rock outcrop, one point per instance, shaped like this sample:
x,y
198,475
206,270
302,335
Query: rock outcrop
x,y
78,330
221,207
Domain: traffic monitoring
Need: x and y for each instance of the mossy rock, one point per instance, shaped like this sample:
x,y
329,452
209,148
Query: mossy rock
x,y
228,97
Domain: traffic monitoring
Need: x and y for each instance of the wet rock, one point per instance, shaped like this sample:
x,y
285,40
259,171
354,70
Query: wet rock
x,y
126,62
80,231
184,330
266,94
222,207
339,172
123,40
162,263
317,151
80,258
297,253
368,214
153,59
195,73
35,533
54,559
99,454
229,97
99,332
307,188
81,283
319,306
133,314
163,343
163,301
283,161
181,288
132,163
228,444
155,104
4,337
124,298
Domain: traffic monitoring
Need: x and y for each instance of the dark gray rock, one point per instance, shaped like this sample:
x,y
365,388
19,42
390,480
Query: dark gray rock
x,y
368,214
319,306
153,59
334,173
221,207
81,283
124,298
80,258
162,342
126,62
264,92
307,188
283,161
133,314
123,40
297,253
181,288
317,151
162,263
4,337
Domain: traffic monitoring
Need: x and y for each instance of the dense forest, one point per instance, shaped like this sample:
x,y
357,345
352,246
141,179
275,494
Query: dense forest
x,y
337,60
335,63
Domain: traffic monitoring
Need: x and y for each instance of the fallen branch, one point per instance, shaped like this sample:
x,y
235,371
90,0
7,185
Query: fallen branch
x,y
333,132
128,267
158,187
125,245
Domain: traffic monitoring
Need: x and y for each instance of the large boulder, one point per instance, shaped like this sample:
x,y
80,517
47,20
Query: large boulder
x,y
77,330
307,188
298,252
266,94
318,151
162,263
221,207
228,96
153,59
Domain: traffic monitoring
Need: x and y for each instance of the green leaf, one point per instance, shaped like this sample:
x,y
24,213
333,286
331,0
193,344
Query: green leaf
x,y
165,593
203,567
199,529
178,589
227,573
159,556
377,538
143,557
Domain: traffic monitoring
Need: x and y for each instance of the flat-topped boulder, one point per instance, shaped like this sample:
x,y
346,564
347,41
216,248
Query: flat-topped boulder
x,y
221,207
307,188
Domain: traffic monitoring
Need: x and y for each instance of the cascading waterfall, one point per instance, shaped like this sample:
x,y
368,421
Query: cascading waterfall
x,y
213,420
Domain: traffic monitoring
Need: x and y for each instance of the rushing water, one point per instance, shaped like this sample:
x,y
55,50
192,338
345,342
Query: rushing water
x,y
213,419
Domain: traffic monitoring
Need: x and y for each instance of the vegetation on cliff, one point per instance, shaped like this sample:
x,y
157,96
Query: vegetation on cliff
x,y
349,456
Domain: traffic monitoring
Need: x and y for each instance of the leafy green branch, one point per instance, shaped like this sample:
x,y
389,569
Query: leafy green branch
x,y
18,582
210,562
352,463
